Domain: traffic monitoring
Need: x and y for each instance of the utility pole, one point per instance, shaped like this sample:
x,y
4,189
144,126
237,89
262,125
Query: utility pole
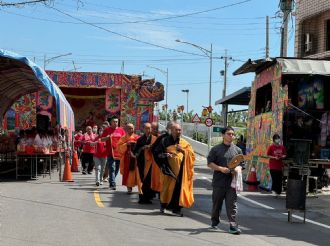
x,y
286,7
267,37
224,73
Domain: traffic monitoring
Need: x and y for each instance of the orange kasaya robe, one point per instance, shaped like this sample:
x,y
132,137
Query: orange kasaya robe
x,y
156,175
130,178
176,161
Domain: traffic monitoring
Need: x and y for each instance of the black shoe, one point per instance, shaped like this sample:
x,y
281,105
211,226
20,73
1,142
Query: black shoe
x,y
89,172
97,183
162,210
177,213
84,172
234,230
112,187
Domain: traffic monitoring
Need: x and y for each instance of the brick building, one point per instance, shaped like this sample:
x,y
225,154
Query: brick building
x,y
312,37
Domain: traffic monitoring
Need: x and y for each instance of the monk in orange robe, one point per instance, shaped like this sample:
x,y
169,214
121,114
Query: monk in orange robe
x,y
128,166
176,159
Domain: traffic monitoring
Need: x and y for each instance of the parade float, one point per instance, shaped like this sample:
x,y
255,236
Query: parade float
x,y
288,98
96,97
37,121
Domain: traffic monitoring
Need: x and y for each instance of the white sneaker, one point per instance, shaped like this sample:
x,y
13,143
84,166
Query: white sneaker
x,y
105,179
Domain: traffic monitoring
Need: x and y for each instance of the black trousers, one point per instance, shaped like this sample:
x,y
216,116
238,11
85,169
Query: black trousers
x,y
87,161
230,196
277,177
147,192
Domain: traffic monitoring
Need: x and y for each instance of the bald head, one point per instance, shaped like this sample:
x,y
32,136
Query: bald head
x,y
147,129
154,128
130,129
176,130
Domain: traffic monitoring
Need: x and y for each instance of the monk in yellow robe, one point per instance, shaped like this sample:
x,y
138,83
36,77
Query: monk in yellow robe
x,y
128,167
176,159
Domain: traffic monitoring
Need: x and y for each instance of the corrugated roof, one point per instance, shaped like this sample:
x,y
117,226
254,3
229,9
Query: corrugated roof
x,y
240,97
20,76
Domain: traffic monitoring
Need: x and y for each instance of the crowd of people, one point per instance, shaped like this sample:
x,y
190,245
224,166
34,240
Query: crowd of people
x,y
155,163
160,163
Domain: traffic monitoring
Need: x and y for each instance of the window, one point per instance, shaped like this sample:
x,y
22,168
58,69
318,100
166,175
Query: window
x,y
264,99
328,35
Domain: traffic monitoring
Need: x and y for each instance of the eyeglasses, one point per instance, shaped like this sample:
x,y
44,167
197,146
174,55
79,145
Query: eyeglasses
x,y
230,134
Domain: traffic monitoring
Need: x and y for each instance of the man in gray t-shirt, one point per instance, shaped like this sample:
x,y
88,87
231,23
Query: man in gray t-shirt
x,y
218,159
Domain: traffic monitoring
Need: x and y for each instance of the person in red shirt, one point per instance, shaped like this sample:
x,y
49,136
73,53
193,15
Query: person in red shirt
x,y
276,152
111,135
77,142
100,158
88,151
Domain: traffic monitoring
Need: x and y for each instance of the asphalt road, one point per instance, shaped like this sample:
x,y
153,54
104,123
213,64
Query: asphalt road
x,y
48,212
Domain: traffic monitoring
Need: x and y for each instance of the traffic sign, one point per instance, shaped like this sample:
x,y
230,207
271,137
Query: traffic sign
x,y
196,119
217,129
208,122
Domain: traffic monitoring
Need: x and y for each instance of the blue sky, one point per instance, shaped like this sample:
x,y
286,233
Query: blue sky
x,y
38,31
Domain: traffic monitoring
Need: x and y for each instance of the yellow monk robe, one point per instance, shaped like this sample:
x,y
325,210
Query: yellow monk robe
x,y
187,160
156,179
131,176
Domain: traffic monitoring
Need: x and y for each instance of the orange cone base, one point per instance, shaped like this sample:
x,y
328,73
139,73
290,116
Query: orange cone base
x,y
67,175
74,167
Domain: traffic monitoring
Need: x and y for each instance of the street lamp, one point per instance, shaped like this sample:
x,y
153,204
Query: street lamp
x,y
209,54
46,61
186,91
165,73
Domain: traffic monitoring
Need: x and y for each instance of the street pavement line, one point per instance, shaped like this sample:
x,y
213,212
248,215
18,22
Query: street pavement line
x,y
98,199
308,220
268,207
254,202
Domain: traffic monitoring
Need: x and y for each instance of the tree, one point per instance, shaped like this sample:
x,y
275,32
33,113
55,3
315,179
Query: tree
x,y
237,119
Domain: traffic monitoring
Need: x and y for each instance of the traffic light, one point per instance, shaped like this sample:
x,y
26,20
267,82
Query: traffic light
x,y
180,109
205,112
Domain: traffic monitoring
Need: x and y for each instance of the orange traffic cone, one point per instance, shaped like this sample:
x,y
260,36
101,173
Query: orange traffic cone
x,y
67,175
251,181
74,166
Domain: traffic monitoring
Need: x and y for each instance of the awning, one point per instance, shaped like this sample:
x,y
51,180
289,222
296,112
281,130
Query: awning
x,y
288,65
20,76
302,66
240,97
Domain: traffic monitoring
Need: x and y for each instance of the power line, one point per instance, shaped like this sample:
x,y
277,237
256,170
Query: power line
x,y
151,12
178,27
131,38
183,15
2,4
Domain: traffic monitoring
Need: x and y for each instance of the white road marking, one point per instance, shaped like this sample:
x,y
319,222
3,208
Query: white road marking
x,y
308,220
271,208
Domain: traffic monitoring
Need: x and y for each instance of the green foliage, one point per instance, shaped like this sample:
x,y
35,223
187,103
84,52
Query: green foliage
x,y
200,137
237,119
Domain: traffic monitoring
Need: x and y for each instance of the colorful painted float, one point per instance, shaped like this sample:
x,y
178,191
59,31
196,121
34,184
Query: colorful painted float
x,y
96,97
288,98
31,101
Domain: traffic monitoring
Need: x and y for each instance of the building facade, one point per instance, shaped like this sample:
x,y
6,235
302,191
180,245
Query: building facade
x,y
312,36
